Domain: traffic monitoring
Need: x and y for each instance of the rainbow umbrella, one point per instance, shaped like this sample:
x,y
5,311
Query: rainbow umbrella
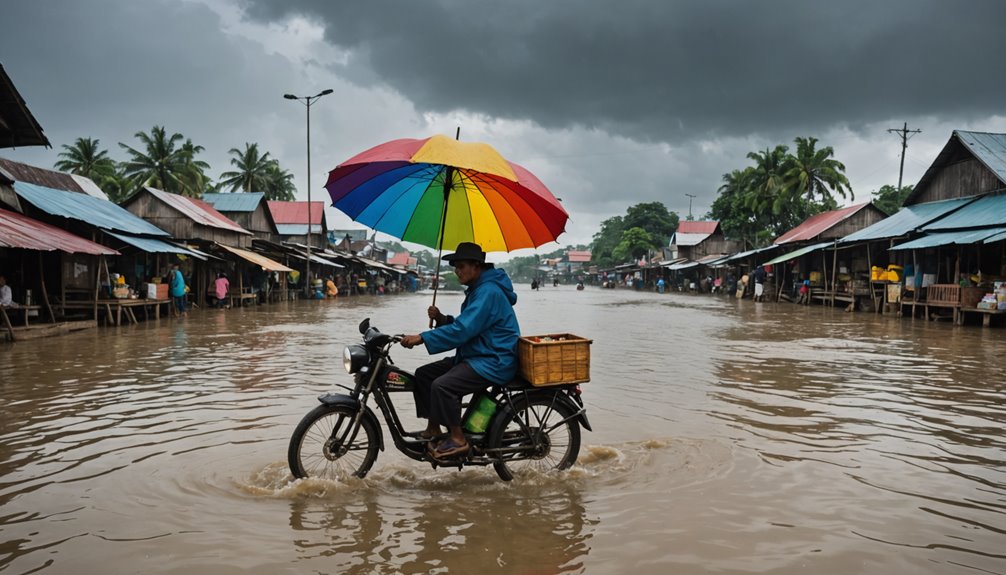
x,y
438,191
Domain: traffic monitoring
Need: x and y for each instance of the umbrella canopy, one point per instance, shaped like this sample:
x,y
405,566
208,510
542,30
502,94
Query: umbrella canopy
x,y
398,188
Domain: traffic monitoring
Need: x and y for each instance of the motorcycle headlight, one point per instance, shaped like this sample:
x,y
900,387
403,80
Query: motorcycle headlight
x,y
354,357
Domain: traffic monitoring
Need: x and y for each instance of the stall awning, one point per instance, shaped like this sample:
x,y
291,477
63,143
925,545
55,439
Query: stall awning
x,y
20,231
82,207
937,239
152,246
257,259
682,266
798,253
742,255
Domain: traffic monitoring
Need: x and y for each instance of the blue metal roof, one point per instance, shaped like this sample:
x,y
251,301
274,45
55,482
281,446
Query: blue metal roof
x,y
952,238
990,149
983,212
151,245
82,207
235,202
907,220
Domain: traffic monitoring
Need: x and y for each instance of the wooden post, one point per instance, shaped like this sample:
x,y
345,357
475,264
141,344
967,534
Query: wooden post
x,y
869,265
834,278
45,294
6,322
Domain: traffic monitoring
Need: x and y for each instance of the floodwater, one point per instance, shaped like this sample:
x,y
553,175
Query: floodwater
x,y
730,437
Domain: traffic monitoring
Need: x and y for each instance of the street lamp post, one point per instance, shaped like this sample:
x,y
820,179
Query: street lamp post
x,y
307,101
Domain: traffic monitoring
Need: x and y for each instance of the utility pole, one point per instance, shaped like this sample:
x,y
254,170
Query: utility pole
x,y
903,132
690,196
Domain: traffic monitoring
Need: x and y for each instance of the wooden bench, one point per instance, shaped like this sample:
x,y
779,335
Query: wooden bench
x,y
943,296
239,299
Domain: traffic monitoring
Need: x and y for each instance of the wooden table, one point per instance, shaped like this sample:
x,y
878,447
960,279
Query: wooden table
x,y
113,308
986,314
239,299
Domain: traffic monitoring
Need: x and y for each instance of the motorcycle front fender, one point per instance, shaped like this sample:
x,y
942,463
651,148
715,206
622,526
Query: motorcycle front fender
x,y
334,399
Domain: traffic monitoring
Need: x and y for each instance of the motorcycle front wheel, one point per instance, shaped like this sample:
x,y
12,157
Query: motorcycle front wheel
x,y
324,445
535,436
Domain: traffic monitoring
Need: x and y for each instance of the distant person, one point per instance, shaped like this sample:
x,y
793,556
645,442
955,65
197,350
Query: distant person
x,y
804,297
331,290
759,283
660,285
6,299
534,284
176,289
221,286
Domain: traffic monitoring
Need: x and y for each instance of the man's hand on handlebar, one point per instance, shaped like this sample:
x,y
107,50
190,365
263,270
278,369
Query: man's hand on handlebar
x,y
411,341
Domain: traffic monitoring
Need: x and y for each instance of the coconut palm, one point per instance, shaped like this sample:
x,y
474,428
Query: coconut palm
x,y
163,165
766,180
252,170
194,178
280,186
814,174
85,158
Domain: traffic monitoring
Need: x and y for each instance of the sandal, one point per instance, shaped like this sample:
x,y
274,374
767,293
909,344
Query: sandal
x,y
448,448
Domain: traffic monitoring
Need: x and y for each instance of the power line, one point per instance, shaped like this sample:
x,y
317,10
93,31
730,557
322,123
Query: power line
x,y
903,132
690,196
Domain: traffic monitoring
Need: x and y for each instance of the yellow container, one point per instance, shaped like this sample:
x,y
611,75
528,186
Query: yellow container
x,y
892,276
815,277
882,276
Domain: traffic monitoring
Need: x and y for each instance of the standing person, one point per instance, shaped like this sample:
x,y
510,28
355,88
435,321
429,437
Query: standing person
x,y
759,283
660,285
221,286
331,290
485,336
6,298
176,288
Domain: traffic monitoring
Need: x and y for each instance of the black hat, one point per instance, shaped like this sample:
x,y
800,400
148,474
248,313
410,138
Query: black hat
x,y
466,251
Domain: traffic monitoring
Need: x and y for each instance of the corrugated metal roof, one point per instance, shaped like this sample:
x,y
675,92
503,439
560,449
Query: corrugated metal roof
x,y
39,176
197,211
742,255
20,231
797,253
82,207
995,238
19,127
906,220
257,259
235,202
987,148
693,227
296,212
90,188
296,229
688,239
682,266
937,239
814,226
578,256
152,246
983,212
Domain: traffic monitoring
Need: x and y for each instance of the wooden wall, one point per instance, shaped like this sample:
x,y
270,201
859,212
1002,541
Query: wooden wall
x,y
962,179
863,218
146,206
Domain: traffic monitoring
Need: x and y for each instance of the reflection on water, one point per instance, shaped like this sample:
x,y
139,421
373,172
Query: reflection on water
x,y
729,437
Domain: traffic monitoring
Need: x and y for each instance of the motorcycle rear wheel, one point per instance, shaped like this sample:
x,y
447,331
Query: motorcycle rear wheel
x,y
321,445
551,428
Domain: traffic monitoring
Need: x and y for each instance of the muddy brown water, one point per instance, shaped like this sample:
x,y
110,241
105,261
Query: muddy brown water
x,y
730,437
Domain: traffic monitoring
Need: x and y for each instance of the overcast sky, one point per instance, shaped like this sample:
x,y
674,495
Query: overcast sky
x,y
608,103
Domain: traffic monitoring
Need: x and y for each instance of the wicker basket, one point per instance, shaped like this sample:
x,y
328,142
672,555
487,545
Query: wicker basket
x,y
554,359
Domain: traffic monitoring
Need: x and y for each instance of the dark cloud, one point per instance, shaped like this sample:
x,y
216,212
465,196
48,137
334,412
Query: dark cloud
x,y
655,70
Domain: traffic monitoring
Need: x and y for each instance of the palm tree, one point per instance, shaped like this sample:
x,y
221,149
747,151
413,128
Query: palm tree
x,y
194,179
766,182
812,172
280,186
84,158
252,173
163,165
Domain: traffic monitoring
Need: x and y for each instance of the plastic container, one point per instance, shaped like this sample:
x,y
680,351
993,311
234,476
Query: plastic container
x,y
479,418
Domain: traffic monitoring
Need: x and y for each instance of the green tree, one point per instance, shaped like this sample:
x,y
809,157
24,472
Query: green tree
x,y
813,173
164,163
636,243
85,158
766,181
194,180
252,173
279,184
889,198
655,219
605,241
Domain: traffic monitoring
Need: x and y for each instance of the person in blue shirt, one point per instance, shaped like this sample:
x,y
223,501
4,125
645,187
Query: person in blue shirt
x,y
176,283
485,336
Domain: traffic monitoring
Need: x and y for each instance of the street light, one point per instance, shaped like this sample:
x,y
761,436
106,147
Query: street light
x,y
307,101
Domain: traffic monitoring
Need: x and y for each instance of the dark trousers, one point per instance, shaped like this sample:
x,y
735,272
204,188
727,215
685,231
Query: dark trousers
x,y
439,388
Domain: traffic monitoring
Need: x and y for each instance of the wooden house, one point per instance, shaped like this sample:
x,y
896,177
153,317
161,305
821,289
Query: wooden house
x,y
248,210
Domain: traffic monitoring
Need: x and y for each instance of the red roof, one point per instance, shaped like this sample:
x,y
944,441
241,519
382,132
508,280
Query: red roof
x,y
690,227
296,212
197,211
575,256
19,231
814,226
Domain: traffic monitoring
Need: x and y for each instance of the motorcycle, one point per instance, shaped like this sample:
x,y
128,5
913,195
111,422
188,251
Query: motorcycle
x,y
530,429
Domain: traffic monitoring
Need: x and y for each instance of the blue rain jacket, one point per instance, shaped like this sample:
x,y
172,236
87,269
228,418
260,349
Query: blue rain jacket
x,y
177,283
485,332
